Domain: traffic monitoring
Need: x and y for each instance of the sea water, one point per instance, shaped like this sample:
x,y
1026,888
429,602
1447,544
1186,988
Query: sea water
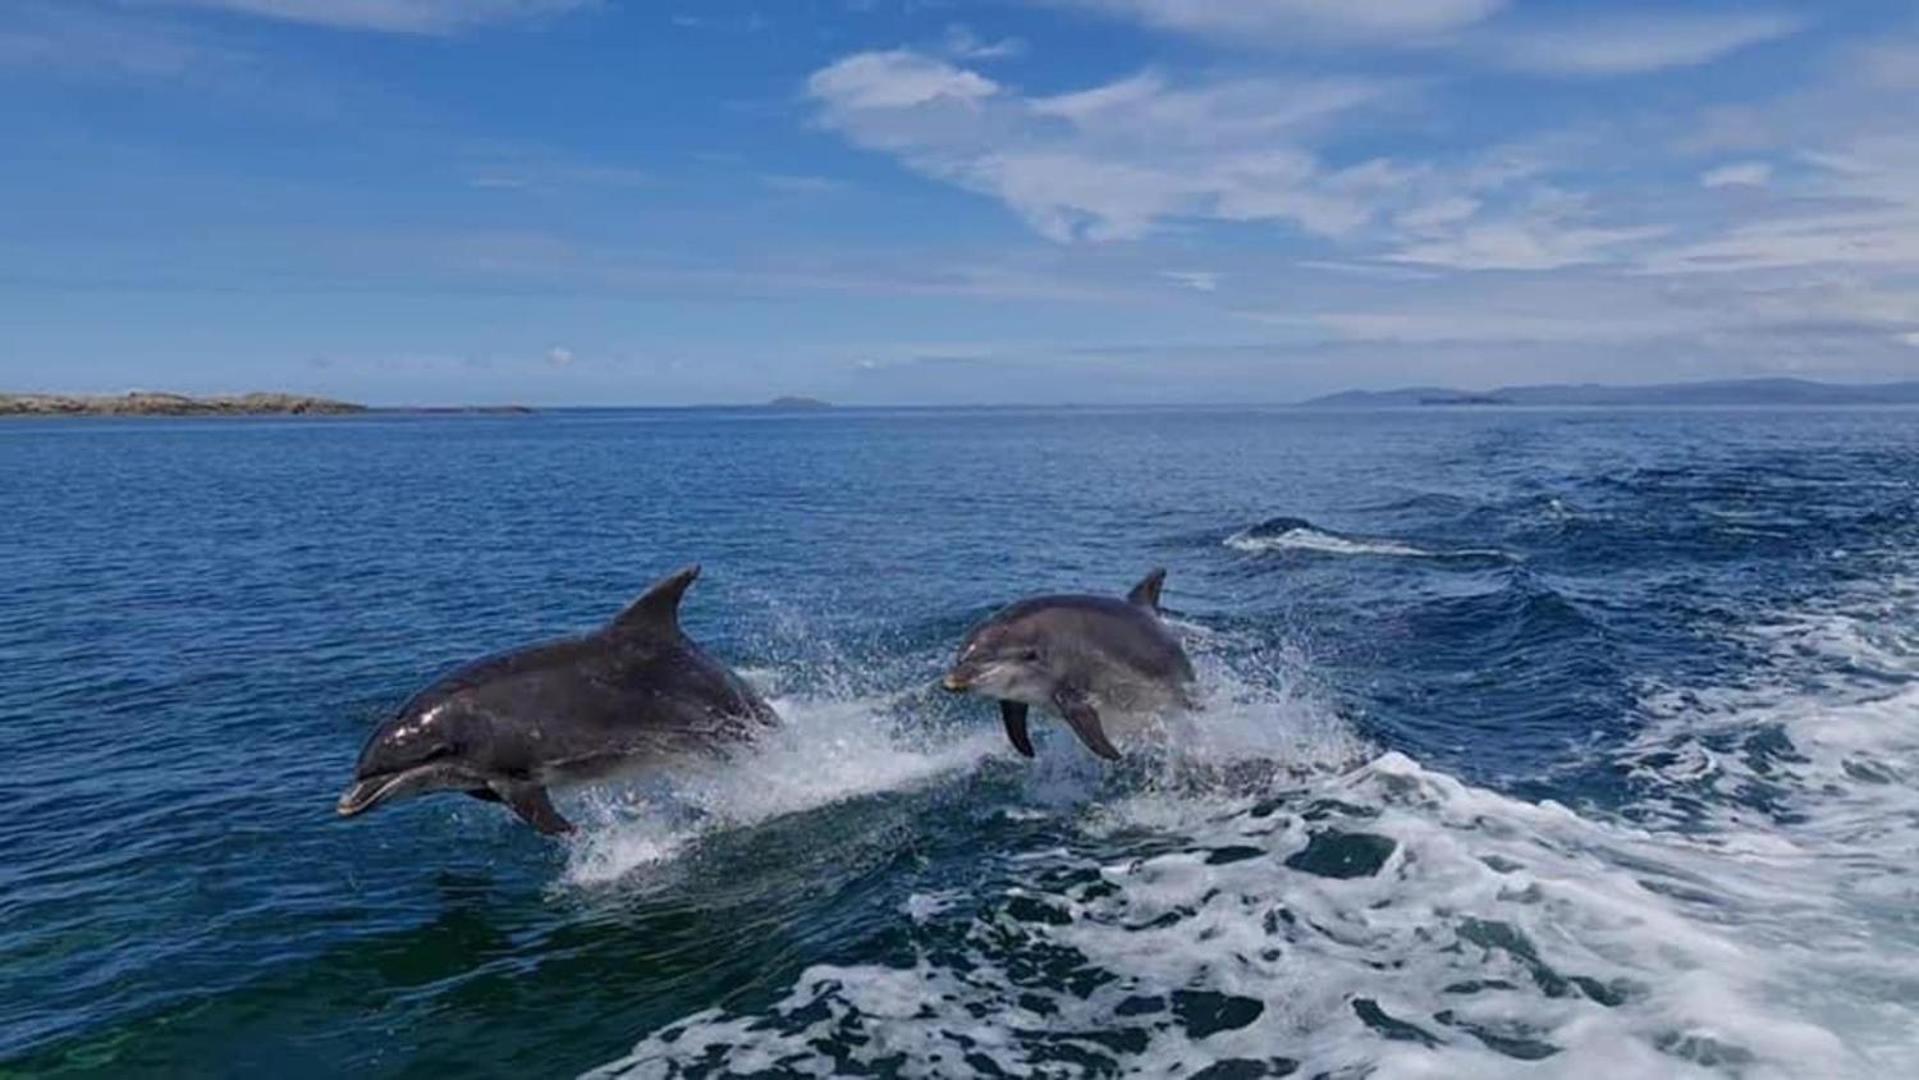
x,y
1567,743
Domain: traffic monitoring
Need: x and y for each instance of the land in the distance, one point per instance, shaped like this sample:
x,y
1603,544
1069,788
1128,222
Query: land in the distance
x,y
1723,392
155,403
160,403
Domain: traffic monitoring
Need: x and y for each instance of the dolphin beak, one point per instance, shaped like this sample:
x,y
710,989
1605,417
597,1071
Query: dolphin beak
x,y
955,682
364,795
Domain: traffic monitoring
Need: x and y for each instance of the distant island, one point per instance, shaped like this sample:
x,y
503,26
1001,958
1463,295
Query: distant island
x,y
1723,392
156,403
798,403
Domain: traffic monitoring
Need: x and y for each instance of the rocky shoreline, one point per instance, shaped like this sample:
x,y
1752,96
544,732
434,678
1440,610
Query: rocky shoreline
x,y
153,403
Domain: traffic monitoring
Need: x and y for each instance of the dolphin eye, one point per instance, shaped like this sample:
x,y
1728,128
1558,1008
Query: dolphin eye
x,y
1029,655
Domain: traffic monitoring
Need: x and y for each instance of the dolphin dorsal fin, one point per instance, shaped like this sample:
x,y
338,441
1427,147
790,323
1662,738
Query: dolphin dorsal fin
x,y
1146,593
657,613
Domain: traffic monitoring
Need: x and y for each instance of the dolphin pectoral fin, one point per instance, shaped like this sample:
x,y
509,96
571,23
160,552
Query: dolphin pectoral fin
x,y
485,794
534,806
1013,715
1085,722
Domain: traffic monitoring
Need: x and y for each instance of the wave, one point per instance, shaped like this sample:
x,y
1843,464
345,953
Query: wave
x,y
1264,893
1387,921
1297,534
1803,778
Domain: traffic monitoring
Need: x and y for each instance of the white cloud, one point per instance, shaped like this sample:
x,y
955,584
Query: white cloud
x,y
76,41
1258,22
1196,280
1737,174
1524,243
961,43
560,356
1437,214
1858,209
801,185
1118,161
896,80
1625,45
1112,161
393,16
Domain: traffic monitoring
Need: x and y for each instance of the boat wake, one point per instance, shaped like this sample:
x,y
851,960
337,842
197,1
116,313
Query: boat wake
x,y
1266,894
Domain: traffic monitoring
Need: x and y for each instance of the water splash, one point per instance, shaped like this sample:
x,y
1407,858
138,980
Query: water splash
x,y
1257,889
825,752
1285,534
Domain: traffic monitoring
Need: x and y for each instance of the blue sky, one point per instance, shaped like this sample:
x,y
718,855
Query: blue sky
x,y
882,201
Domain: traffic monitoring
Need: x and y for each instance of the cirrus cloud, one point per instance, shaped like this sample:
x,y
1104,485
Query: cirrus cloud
x,y
393,16
1636,44
1257,22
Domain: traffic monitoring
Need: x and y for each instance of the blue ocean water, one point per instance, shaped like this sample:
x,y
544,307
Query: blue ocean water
x,y
1569,743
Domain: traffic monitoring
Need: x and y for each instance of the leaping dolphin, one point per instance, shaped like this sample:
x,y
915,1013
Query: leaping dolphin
x,y
634,694
1082,655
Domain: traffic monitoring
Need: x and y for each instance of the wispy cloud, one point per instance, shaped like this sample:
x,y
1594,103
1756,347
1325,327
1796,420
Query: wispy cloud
x,y
1737,174
1111,161
961,43
1196,280
787,184
527,171
76,41
897,80
1625,45
1552,231
1265,22
1120,160
393,16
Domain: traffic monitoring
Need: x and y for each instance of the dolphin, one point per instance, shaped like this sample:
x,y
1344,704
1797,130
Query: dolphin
x,y
633,694
1079,654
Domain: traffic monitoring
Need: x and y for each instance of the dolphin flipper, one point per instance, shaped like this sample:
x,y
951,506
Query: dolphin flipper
x,y
1085,721
1013,714
534,806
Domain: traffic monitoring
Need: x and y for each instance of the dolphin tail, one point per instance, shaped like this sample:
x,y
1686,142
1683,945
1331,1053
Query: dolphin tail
x,y
534,806
1013,715
1085,723
1146,593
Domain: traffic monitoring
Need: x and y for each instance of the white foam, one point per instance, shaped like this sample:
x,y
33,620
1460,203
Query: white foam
x,y
1820,875
1711,939
1478,887
1302,538
824,752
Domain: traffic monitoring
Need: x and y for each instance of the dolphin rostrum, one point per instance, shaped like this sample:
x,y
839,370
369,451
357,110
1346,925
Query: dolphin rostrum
x,y
631,695
1081,655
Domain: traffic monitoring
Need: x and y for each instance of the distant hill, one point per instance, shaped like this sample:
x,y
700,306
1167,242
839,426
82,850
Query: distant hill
x,y
1724,392
798,403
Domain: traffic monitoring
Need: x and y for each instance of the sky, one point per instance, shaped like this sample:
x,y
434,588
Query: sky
x,y
633,202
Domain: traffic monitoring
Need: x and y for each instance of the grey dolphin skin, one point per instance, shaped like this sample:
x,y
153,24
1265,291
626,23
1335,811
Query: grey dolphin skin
x,y
635,693
1078,654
